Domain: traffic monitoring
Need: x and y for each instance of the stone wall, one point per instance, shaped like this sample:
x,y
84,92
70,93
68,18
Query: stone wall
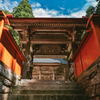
x,y
50,72
7,80
89,81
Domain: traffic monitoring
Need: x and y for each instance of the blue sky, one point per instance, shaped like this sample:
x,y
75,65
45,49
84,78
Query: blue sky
x,y
53,8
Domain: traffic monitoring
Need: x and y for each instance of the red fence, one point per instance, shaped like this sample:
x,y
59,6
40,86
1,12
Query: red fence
x,y
88,50
10,53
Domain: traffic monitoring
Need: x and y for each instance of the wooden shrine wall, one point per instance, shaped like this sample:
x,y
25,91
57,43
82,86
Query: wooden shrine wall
x,y
88,53
8,53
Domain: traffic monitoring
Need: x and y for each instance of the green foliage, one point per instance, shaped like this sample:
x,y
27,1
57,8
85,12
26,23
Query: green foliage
x,y
89,11
97,0
98,8
64,59
83,35
7,12
15,35
92,9
0,9
24,9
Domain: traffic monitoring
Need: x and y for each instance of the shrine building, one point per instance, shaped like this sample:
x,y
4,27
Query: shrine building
x,y
49,69
38,71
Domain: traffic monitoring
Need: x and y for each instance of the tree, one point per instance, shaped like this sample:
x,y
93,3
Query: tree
x,y
98,8
0,9
89,11
7,12
24,9
97,0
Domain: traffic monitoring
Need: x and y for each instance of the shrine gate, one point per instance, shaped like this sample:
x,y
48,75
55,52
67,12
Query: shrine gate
x,y
54,38
48,38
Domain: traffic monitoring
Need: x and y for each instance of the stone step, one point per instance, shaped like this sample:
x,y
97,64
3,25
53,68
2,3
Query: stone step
x,y
47,97
25,82
68,91
46,90
47,87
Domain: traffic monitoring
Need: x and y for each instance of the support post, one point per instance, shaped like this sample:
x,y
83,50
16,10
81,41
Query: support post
x,y
27,55
73,45
24,71
64,73
68,69
40,73
39,76
53,76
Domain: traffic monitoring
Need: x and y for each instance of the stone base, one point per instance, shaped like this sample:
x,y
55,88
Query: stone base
x,y
7,80
89,81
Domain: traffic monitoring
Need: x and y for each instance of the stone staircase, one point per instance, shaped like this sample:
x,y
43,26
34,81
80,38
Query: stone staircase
x,y
46,90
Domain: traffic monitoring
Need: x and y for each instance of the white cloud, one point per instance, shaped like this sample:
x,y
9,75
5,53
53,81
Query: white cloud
x,y
36,4
8,5
75,9
62,8
40,12
82,12
68,10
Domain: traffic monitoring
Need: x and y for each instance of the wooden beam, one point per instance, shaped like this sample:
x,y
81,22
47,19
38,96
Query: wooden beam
x,y
32,20
47,41
19,28
50,56
66,53
49,30
46,64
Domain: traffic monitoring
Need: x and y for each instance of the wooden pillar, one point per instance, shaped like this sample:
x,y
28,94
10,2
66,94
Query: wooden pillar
x,y
27,52
67,69
64,73
53,76
24,71
31,52
40,76
73,45
73,42
40,73
27,55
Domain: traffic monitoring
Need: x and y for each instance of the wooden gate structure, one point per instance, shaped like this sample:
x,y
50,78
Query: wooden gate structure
x,y
49,37
58,38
